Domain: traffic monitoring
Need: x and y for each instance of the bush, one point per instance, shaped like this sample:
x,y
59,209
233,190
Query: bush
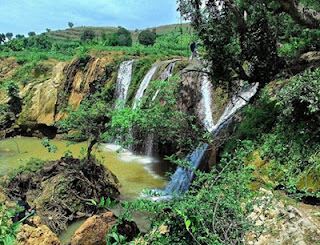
x,y
121,38
147,37
124,37
300,99
88,35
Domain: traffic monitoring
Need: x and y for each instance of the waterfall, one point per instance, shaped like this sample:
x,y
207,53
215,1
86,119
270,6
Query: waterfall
x,y
143,86
181,179
206,91
123,82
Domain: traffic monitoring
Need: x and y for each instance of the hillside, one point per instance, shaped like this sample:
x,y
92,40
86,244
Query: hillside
x,y
74,34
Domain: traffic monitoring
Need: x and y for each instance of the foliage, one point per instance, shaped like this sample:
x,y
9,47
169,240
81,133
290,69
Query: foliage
x,y
31,33
113,238
214,211
14,103
155,115
2,38
51,148
231,39
9,35
147,37
19,36
285,132
122,37
33,165
70,24
8,230
89,120
300,99
87,35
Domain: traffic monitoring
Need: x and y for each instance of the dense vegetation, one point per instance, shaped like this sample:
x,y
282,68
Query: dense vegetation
x,y
275,146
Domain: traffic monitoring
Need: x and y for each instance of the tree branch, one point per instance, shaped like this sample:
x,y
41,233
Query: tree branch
x,y
301,14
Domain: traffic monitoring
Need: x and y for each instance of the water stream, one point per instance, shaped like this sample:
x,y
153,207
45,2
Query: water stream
x,y
123,82
181,179
143,86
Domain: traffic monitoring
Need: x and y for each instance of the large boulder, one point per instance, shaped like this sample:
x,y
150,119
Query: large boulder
x,y
95,229
34,232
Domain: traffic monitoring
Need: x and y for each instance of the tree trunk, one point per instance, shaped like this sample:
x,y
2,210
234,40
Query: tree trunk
x,y
91,144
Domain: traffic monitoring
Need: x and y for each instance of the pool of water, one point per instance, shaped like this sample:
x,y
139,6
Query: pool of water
x,y
134,172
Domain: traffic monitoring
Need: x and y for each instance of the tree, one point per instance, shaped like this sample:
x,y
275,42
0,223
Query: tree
x,y
2,37
238,36
70,24
9,35
88,35
19,36
48,29
14,103
89,120
125,38
31,33
147,37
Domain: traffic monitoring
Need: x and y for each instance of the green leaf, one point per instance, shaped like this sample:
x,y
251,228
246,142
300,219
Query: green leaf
x,y
188,223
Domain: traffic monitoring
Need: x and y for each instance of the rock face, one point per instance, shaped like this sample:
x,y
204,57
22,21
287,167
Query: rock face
x,y
36,233
286,225
94,230
68,85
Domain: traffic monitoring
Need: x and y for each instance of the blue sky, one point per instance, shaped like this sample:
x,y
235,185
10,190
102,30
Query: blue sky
x,y
22,16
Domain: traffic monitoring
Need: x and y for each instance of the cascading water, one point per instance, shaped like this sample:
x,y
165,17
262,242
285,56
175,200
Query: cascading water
x,y
143,86
123,82
206,91
181,179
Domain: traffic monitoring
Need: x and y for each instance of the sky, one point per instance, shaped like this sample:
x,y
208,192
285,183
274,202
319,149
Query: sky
x,y
23,16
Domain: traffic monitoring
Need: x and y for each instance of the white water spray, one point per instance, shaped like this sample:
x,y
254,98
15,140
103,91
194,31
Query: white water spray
x,y
123,82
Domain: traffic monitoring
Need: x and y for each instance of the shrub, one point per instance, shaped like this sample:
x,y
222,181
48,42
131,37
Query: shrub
x,y
299,100
88,35
147,37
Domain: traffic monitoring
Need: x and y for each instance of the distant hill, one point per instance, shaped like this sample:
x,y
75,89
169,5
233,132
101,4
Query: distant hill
x,y
75,32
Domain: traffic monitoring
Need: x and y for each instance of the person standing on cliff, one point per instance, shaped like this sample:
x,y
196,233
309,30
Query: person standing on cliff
x,y
194,50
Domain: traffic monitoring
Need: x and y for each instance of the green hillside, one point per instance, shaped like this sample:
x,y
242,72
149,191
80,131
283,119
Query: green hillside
x,y
74,34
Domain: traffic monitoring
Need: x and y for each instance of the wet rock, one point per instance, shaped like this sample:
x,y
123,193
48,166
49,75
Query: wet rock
x,y
34,232
94,230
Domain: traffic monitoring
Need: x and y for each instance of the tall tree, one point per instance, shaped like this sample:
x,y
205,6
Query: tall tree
x,y
238,37
70,24
9,35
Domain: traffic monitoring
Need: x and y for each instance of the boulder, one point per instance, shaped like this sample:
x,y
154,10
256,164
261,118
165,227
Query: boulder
x,y
95,229
34,232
